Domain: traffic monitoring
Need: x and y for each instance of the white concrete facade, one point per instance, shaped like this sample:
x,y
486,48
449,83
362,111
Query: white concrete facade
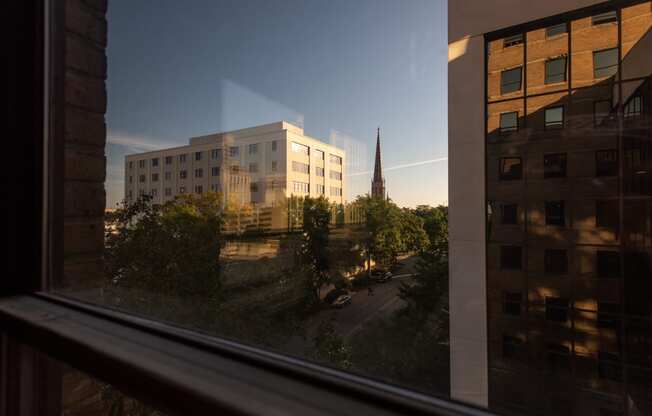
x,y
468,22
260,165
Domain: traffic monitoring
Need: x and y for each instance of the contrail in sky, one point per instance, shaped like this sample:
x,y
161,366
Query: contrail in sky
x,y
403,166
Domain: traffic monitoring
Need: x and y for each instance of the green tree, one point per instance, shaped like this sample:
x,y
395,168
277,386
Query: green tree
x,y
171,249
329,347
315,251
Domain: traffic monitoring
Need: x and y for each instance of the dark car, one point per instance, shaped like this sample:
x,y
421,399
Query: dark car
x,y
381,275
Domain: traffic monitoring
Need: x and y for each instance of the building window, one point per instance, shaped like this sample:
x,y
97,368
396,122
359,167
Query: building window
x,y
199,173
608,315
509,213
141,164
321,189
560,29
555,70
609,366
554,165
300,167
555,261
300,148
319,171
605,63
168,160
319,154
510,168
510,258
131,165
512,346
182,158
154,192
130,194
215,187
154,177
335,191
183,174
608,264
215,171
510,80
274,165
555,213
556,309
603,18
234,151
601,111
142,178
198,156
606,214
253,148
335,159
512,303
215,154
253,167
509,122
513,40
131,179
253,187
199,189
235,169
168,176
554,118
155,162
558,357
335,175
168,191
633,107
182,189
606,163
274,145
301,187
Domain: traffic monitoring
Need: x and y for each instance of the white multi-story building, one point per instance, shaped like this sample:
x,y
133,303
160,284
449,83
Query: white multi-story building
x,y
258,166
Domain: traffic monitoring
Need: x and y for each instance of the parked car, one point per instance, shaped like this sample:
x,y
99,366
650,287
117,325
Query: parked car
x,y
334,294
381,275
341,301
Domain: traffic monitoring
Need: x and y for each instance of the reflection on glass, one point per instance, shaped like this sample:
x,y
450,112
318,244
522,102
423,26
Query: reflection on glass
x,y
247,192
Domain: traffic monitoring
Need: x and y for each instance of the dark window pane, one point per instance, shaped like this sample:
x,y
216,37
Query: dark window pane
x,y
608,264
555,214
605,63
555,70
608,315
509,122
510,257
634,106
554,118
512,303
558,357
609,366
510,80
513,40
556,309
512,346
606,163
510,168
602,18
509,213
554,165
602,111
606,214
555,261
556,30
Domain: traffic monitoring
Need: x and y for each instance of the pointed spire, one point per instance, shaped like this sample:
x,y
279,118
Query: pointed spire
x,y
378,182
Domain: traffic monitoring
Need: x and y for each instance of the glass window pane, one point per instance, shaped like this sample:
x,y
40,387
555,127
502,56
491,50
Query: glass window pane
x,y
509,122
554,117
555,70
605,63
556,30
510,81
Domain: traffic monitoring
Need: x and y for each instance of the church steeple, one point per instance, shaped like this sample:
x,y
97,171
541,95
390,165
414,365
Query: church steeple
x,y
378,182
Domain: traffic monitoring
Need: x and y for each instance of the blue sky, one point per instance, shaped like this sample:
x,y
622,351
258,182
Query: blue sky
x,y
340,68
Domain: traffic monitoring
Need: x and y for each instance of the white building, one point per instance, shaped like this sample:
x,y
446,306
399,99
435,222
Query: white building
x,y
258,166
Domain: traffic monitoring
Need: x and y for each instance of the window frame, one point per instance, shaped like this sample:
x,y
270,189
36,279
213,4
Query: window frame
x,y
520,81
546,81
509,130
555,35
554,125
125,354
599,51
